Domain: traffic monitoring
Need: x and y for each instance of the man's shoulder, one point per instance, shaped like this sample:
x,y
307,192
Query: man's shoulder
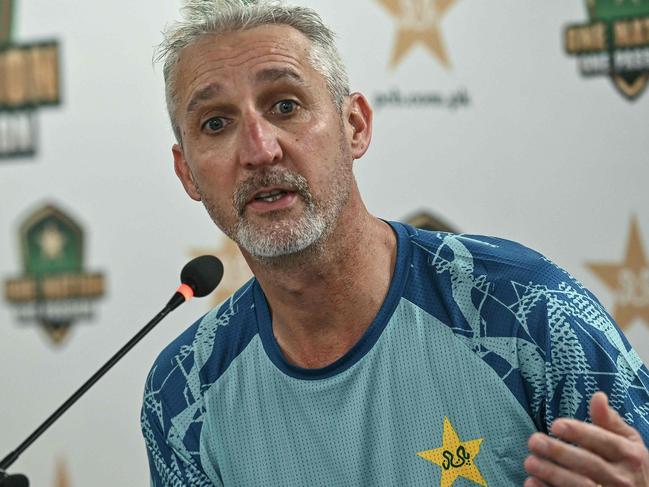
x,y
483,255
459,276
206,348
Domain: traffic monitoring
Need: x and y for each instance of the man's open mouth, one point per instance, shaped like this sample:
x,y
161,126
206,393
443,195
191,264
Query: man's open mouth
x,y
270,196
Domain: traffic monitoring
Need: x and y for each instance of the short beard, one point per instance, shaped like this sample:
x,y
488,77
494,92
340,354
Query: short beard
x,y
281,239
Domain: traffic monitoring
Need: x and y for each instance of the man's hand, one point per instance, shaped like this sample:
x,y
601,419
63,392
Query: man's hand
x,y
610,453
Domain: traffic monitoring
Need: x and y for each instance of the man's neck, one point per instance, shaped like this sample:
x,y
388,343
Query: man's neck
x,y
322,305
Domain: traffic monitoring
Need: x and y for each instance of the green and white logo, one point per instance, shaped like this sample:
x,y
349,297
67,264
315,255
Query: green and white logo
x,y
29,79
614,43
54,290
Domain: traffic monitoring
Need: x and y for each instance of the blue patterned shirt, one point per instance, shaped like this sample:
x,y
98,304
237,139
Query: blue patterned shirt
x,y
479,343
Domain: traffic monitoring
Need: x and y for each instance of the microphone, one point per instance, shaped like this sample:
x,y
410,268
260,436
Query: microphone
x,y
199,277
17,480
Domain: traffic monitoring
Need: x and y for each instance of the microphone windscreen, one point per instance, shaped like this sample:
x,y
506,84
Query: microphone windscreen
x,y
202,274
17,480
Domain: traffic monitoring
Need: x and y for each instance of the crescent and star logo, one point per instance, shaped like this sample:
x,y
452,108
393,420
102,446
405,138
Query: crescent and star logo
x,y
628,280
455,458
419,23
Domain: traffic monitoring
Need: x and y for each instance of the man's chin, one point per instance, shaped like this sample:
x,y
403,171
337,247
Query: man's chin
x,y
287,216
274,241
276,227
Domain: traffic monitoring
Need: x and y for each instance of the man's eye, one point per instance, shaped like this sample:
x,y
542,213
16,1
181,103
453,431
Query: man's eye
x,y
285,107
214,125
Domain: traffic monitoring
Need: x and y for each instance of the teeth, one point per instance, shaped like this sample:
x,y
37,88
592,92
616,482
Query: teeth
x,y
271,196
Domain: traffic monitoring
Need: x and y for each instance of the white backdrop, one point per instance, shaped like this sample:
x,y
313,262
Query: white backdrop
x,y
539,155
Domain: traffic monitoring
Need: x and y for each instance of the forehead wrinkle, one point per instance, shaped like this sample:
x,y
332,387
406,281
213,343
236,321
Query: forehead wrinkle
x,y
257,58
271,75
245,52
202,94
254,53
289,71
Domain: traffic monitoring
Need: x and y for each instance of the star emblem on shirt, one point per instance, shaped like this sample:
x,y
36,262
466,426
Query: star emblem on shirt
x,y
418,23
455,457
629,280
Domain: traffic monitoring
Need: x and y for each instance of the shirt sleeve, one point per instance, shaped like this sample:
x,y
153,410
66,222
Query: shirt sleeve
x,y
169,466
585,352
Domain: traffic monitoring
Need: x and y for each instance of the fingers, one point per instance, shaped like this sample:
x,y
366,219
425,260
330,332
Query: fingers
x,y
552,474
559,463
532,482
606,417
607,452
608,445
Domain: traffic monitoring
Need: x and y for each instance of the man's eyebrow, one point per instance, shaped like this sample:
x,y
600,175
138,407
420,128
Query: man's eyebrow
x,y
265,76
203,94
278,74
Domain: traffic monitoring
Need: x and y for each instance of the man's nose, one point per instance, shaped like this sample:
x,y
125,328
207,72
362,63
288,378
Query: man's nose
x,y
258,143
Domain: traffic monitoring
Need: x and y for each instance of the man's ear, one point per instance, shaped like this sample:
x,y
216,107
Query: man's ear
x,y
359,118
184,173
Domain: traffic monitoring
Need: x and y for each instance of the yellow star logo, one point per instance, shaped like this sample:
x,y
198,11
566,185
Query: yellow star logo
x,y
455,457
418,22
628,280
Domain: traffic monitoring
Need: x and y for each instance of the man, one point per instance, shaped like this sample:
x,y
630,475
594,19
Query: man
x,y
363,353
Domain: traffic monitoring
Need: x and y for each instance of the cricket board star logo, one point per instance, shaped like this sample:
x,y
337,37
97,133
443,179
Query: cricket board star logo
x,y
614,43
53,290
418,23
629,280
455,457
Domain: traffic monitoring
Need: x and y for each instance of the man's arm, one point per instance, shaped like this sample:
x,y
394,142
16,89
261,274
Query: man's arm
x,y
608,452
169,467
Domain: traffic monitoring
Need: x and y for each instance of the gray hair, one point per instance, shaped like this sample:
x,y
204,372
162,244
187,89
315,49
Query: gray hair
x,y
204,17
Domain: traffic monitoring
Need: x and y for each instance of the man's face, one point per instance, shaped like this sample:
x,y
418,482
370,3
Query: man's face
x,y
263,145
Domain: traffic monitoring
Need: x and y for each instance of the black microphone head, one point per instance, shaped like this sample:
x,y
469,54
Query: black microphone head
x,y
17,480
202,274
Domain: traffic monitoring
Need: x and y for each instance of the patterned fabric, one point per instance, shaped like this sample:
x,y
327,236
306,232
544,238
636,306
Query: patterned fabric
x,y
479,343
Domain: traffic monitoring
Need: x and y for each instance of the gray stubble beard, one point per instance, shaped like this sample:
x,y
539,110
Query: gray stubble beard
x,y
282,238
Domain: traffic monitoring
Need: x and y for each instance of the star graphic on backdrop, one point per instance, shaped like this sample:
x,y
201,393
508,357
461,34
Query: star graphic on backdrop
x,y
629,280
455,457
418,22
51,242
236,270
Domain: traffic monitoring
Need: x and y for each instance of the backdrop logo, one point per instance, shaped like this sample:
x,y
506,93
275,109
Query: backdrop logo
x,y
418,23
628,280
614,43
54,290
427,221
29,79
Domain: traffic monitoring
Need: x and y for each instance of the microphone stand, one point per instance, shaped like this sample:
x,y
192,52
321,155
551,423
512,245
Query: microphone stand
x,y
19,480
